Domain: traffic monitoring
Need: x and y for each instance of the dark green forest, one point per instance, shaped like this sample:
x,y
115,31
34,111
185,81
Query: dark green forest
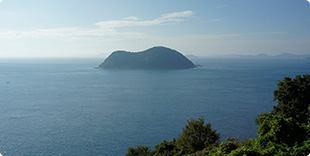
x,y
285,130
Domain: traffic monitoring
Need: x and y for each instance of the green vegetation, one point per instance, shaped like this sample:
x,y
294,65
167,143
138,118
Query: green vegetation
x,y
197,136
283,131
139,151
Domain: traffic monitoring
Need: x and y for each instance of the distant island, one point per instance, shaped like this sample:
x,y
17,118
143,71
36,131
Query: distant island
x,y
258,56
156,58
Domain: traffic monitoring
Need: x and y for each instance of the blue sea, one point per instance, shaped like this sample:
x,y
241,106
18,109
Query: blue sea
x,y
67,107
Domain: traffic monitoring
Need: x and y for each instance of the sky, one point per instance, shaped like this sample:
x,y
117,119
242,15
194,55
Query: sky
x,y
96,28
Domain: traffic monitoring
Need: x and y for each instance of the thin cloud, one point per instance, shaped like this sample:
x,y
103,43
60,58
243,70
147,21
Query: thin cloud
x,y
131,18
69,34
133,21
106,29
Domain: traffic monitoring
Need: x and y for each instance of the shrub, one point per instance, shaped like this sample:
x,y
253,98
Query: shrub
x,y
196,136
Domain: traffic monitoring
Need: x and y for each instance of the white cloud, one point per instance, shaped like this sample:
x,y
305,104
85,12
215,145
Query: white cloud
x,y
308,1
0,2
133,21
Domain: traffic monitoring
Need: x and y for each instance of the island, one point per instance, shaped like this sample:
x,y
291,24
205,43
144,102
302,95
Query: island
x,y
156,58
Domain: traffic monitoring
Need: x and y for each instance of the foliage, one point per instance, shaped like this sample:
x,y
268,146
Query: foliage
x,y
283,131
139,151
228,146
244,151
286,124
196,136
286,127
275,129
293,98
166,148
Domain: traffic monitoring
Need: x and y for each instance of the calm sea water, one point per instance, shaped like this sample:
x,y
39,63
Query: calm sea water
x,y
67,107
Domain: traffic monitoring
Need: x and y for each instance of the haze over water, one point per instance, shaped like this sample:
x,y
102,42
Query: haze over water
x,y
67,107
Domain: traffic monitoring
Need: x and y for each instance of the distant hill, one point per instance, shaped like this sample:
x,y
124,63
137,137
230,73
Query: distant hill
x,y
161,58
263,56
289,55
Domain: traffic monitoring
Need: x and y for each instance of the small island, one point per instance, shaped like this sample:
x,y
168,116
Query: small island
x,y
156,58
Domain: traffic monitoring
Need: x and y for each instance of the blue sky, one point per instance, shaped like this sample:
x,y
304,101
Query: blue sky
x,y
95,28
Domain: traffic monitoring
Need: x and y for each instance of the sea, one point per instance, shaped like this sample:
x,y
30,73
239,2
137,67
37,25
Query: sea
x,y
68,107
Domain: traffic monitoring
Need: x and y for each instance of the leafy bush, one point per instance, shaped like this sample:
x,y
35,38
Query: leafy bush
x,y
166,148
139,151
293,96
196,136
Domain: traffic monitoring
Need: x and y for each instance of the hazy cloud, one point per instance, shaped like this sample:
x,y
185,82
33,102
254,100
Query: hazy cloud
x,y
133,21
131,18
106,29
69,34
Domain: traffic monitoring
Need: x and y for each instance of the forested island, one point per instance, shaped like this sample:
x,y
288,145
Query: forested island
x,y
156,58
285,130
